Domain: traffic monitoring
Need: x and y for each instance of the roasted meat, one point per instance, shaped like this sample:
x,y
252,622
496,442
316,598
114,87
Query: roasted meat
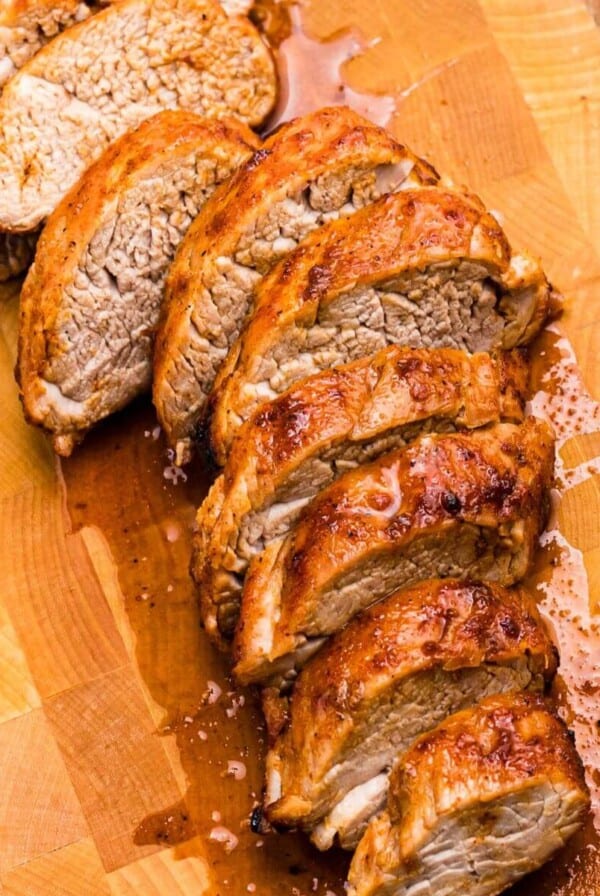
x,y
312,170
87,324
424,268
325,425
467,505
104,76
26,25
483,799
395,672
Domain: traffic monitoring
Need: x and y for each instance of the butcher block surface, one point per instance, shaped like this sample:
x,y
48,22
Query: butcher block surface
x,y
129,763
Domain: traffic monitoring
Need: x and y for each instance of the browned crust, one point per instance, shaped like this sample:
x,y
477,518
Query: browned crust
x,y
408,230
503,742
446,624
488,478
330,139
393,388
69,230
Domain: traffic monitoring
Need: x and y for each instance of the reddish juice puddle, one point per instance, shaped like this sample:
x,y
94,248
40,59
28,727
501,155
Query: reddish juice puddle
x,y
121,482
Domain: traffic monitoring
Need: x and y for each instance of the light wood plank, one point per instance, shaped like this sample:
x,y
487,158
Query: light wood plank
x,y
39,811
116,761
54,599
74,870
553,47
176,872
18,693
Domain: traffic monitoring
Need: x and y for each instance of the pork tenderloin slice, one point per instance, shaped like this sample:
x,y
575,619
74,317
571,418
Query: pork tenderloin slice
x,y
393,673
331,422
16,253
424,268
87,324
466,505
106,75
473,806
27,25
314,169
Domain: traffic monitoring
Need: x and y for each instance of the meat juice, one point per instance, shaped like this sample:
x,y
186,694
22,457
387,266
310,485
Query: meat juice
x,y
146,516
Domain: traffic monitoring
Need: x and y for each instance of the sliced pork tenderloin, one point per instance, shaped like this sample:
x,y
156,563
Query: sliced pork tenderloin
x,y
87,323
482,800
425,268
331,422
27,25
466,505
392,674
104,76
314,169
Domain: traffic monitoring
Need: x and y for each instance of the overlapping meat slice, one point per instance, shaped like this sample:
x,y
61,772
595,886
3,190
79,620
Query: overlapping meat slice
x,y
104,76
91,302
314,169
27,25
482,800
329,423
423,267
467,505
394,673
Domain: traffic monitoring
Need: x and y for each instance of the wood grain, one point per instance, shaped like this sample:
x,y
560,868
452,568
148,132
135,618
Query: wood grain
x,y
113,763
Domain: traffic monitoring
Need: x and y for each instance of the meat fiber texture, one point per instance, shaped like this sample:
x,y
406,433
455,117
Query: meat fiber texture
x,y
314,169
106,75
88,321
476,804
16,253
27,25
328,424
392,674
423,267
467,505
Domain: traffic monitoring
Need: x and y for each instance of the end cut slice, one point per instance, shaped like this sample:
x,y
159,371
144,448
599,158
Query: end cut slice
x,y
333,421
476,804
314,169
91,302
394,673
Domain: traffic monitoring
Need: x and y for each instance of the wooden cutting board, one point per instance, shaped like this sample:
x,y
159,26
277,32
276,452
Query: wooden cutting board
x,y
117,762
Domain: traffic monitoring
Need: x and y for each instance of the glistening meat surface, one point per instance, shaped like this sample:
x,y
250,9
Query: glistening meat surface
x,y
330,423
470,505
